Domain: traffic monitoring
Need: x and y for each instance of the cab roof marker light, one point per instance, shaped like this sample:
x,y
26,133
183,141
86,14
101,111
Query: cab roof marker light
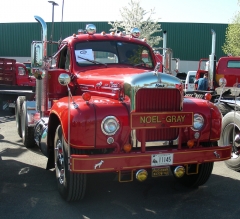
x,y
91,29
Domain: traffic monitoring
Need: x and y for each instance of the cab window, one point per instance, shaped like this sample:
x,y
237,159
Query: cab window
x,y
233,64
21,71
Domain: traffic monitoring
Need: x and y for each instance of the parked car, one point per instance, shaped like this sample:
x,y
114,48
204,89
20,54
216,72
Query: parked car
x,y
189,82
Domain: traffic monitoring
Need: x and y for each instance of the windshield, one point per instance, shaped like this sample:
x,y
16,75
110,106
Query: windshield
x,y
110,52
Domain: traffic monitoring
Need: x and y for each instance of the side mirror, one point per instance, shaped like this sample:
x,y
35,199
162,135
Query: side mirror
x,y
36,55
64,79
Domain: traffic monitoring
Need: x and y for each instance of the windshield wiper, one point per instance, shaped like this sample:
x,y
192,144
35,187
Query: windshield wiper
x,y
92,61
140,63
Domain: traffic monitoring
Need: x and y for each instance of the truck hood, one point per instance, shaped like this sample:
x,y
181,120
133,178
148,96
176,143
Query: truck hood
x,y
114,73
112,82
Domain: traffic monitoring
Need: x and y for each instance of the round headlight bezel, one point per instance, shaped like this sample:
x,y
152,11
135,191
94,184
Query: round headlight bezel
x,y
107,123
198,122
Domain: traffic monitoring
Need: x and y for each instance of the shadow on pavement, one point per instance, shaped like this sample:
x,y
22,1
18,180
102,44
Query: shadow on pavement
x,y
27,191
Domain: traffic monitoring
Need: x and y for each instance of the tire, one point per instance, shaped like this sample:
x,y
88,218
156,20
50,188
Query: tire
x,y
224,109
227,137
18,108
27,132
195,180
71,186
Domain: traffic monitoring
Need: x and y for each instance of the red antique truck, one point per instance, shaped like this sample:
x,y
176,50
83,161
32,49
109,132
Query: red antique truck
x,y
14,82
224,87
101,108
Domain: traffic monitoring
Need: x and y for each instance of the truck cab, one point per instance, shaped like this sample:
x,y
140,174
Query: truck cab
x,y
228,67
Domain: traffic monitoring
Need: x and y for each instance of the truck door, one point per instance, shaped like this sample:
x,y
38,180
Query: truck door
x,y
22,76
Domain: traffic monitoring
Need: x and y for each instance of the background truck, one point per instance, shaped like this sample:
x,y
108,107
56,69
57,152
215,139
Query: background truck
x,y
224,87
101,108
14,82
226,68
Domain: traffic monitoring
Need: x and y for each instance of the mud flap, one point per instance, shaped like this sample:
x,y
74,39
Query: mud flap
x,y
50,161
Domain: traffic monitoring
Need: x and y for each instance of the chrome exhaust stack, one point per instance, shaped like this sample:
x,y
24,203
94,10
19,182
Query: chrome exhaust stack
x,y
212,60
167,55
40,66
168,61
164,46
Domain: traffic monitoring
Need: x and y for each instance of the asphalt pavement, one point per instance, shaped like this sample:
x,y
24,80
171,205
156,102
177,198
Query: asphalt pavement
x,y
28,190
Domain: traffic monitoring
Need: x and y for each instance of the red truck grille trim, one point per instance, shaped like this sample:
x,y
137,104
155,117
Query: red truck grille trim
x,y
158,100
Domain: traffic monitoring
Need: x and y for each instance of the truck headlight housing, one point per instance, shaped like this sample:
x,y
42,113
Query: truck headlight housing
x,y
198,122
110,125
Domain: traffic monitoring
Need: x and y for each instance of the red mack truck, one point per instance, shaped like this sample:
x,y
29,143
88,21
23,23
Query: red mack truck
x,y
14,81
101,108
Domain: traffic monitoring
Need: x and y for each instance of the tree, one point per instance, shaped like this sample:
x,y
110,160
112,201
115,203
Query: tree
x,y
232,41
135,16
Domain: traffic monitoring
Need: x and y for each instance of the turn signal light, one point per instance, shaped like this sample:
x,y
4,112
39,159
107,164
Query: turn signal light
x,y
141,175
179,171
190,143
86,96
208,96
127,147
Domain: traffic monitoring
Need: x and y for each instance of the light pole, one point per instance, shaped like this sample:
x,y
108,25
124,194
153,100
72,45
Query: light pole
x,y
51,38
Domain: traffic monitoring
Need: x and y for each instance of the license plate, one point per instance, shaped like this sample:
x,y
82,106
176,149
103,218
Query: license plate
x,y
160,171
161,160
11,105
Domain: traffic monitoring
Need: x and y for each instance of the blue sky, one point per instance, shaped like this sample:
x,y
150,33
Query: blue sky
x,y
194,11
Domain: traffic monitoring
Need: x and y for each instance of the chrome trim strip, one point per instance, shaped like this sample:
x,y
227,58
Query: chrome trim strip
x,y
137,143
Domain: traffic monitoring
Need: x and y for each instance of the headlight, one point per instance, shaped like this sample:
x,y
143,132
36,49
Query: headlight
x,y
222,82
110,125
198,122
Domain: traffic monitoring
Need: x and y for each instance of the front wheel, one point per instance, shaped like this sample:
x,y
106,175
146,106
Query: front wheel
x,y
71,186
195,180
230,128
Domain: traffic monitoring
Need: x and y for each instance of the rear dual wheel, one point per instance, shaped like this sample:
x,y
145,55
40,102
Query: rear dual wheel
x,y
27,132
18,108
71,186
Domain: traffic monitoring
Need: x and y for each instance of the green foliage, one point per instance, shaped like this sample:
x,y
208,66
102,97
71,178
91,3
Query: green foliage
x,y
232,41
135,16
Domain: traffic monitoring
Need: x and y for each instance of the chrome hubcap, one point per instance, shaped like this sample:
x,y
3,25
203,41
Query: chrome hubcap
x,y
59,162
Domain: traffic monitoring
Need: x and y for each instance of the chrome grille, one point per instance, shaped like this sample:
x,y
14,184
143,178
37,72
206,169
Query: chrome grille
x,y
158,100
